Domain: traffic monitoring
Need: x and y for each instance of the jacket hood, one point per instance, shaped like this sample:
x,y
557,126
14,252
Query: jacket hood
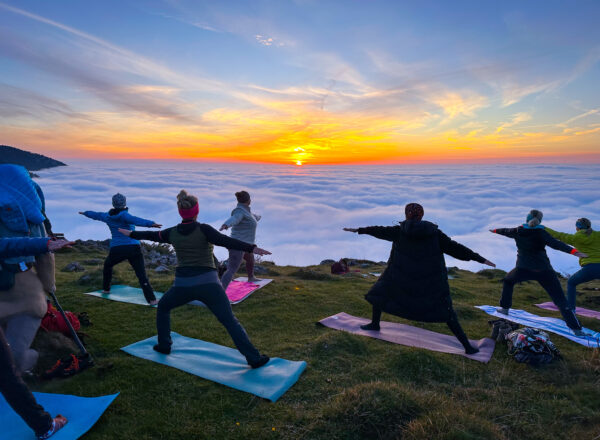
x,y
418,228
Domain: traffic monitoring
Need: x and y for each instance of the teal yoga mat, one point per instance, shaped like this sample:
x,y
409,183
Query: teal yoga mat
x,y
223,365
126,294
82,413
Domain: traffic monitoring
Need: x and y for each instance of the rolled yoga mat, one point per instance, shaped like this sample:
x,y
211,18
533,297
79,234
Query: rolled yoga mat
x,y
411,336
588,313
223,365
553,325
82,413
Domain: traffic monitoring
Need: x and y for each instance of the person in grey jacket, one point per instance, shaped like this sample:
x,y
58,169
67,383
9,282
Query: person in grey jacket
x,y
243,224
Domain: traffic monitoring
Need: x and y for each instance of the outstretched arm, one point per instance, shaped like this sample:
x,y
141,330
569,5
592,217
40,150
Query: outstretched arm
x,y
138,221
232,221
160,236
560,246
100,216
459,251
507,232
215,237
14,247
562,236
388,233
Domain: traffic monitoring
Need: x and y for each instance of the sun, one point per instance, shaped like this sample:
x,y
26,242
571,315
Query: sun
x,y
299,163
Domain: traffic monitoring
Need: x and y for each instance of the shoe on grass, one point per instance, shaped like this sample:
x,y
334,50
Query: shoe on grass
x,y
58,423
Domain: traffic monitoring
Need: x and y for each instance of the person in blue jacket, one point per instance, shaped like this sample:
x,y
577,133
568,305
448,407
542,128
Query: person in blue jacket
x,y
123,247
12,387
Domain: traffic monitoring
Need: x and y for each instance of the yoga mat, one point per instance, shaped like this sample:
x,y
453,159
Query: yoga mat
x,y
126,294
82,413
239,289
130,295
588,313
553,325
223,365
411,336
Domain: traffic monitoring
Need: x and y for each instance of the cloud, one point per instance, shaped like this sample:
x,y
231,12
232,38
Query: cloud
x,y
305,208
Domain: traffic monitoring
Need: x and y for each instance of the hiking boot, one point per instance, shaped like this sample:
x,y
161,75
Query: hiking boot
x,y
162,349
57,423
262,360
502,310
371,326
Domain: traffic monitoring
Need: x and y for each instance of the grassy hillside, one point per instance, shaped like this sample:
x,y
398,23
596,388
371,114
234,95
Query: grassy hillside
x,y
353,388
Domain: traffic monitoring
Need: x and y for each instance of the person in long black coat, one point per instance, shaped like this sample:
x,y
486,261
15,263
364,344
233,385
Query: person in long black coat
x,y
415,283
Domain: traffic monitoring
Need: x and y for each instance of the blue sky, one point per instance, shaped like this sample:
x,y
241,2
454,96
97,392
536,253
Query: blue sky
x,y
355,80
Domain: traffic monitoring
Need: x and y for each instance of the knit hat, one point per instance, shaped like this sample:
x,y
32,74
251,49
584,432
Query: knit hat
x,y
534,218
119,201
414,211
583,223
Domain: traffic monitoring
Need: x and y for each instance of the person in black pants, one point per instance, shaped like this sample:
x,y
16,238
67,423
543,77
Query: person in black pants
x,y
415,283
533,264
12,387
121,246
196,276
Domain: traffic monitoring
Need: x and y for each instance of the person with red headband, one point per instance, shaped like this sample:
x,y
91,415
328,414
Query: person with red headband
x,y
196,276
415,283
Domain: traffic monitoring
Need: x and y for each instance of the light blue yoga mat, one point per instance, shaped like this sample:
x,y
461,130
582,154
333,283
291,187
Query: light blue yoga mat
x,y
130,295
553,325
223,365
126,294
82,413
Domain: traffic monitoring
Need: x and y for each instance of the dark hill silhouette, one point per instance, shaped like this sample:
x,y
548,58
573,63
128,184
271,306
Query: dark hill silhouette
x,y
31,161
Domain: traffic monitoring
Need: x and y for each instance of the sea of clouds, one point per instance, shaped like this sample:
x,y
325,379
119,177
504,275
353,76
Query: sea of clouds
x,y
305,208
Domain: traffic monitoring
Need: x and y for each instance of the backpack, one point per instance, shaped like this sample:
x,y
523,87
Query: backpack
x,y
53,321
339,267
532,346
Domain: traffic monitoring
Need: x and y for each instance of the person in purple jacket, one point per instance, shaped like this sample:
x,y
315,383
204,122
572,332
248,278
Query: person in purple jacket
x,y
123,247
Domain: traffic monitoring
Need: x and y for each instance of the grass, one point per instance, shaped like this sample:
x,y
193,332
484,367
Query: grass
x,y
354,387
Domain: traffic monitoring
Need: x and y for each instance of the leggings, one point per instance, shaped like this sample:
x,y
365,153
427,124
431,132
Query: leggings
x,y
205,288
589,272
452,324
549,281
233,264
18,395
133,254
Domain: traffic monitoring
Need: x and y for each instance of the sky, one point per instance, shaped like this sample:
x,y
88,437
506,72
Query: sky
x,y
302,82
303,209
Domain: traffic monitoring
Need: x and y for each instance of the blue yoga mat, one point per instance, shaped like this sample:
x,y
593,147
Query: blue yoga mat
x,y
223,365
82,413
553,325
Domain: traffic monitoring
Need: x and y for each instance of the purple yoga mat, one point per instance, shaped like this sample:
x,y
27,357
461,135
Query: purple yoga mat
x,y
579,310
411,336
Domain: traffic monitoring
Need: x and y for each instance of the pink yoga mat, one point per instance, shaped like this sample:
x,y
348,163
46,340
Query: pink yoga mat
x,y
579,310
411,336
238,290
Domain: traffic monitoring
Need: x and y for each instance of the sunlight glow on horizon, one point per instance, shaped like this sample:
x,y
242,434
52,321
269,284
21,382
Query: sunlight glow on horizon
x,y
404,87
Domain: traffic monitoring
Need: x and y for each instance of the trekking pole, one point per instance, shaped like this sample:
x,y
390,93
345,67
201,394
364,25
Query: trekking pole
x,y
84,352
